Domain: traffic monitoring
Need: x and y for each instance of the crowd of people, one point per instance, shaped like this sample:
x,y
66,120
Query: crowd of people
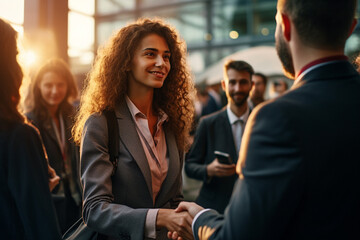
x,y
284,168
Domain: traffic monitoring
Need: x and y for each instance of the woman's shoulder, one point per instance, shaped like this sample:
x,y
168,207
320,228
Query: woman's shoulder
x,y
19,130
96,120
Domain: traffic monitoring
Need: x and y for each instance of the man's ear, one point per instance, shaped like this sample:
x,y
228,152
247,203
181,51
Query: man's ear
x,y
286,26
223,85
353,25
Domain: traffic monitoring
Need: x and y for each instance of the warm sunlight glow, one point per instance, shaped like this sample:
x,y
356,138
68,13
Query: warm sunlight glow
x,y
13,11
29,58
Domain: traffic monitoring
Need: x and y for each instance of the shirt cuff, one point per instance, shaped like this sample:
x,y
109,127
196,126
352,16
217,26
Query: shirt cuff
x,y
196,217
150,223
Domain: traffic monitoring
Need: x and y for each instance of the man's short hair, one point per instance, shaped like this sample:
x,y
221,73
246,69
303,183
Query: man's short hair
x,y
323,24
238,66
263,77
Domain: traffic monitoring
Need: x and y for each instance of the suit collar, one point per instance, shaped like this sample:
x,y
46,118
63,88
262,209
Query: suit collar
x,y
329,70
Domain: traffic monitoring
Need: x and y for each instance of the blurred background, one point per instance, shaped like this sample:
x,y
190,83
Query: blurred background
x,y
212,29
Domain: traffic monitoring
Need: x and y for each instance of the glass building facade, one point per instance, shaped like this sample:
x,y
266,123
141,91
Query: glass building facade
x,y
212,29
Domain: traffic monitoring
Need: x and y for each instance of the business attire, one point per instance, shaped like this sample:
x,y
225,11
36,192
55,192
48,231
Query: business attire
x,y
122,206
214,133
300,164
64,160
26,209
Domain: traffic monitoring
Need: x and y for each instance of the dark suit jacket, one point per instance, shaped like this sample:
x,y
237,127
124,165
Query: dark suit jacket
x,y
118,206
67,210
301,163
26,209
213,134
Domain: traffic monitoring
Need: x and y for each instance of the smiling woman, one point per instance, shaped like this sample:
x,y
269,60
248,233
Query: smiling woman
x,y
141,75
53,90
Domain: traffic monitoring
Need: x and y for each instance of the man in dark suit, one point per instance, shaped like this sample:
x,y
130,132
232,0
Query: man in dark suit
x,y
300,157
222,132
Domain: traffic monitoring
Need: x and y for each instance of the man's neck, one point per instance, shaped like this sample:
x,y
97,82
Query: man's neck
x,y
238,110
306,55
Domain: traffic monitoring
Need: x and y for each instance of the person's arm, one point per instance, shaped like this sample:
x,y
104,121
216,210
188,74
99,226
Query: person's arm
x,y
195,166
28,183
266,199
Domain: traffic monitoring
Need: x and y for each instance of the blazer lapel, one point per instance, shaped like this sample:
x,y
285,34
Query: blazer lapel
x,y
131,140
173,166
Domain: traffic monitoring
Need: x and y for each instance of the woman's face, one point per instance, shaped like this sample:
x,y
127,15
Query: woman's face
x,y
53,89
151,63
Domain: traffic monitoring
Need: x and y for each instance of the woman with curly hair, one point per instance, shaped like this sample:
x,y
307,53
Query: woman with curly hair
x,y
26,209
52,92
141,75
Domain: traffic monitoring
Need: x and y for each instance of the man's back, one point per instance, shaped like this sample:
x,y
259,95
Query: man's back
x,y
311,168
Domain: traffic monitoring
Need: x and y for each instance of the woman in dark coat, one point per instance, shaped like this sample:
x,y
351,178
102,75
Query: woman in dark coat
x,y
52,92
26,209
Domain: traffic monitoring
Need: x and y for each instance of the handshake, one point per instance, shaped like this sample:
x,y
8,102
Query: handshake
x,y
179,221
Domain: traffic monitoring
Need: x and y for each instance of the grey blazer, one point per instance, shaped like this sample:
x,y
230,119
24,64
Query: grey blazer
x,y
117,206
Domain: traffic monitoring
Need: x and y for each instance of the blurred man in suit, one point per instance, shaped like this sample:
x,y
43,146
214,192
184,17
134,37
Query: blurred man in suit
x,y
222,132
299,158
257,94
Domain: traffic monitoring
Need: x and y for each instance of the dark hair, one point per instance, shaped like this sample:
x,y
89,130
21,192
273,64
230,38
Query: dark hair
x,y
107,81
10,74
238,66
37,103
263,77
323,24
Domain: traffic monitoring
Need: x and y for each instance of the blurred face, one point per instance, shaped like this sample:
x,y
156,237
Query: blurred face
x,y
283,50
237,86
53,89
259,87
151,63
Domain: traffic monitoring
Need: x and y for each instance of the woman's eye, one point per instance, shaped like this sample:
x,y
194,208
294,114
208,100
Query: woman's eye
x,y
167,57
150,54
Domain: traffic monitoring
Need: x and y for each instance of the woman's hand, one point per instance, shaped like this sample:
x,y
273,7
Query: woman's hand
x,y
175,222
53,178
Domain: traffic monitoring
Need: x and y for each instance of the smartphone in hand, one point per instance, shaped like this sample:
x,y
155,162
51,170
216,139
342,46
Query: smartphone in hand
x,y
223,158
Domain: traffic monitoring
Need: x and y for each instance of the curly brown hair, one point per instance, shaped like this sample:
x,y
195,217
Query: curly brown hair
x,y
36,102
106,84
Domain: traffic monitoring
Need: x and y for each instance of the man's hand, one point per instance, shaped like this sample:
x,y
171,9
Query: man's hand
x,y
53,178
220,170
179,222
189,207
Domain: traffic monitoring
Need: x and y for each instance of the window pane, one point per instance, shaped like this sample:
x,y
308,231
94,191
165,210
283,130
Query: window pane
x,y
150,3
189,20
113,6
264,18
229,17
12,11
106,29
81,42
83,6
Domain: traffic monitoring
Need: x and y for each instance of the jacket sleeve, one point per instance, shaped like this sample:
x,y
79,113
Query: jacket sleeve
x,y
195,163
265,200
99,211
28,182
